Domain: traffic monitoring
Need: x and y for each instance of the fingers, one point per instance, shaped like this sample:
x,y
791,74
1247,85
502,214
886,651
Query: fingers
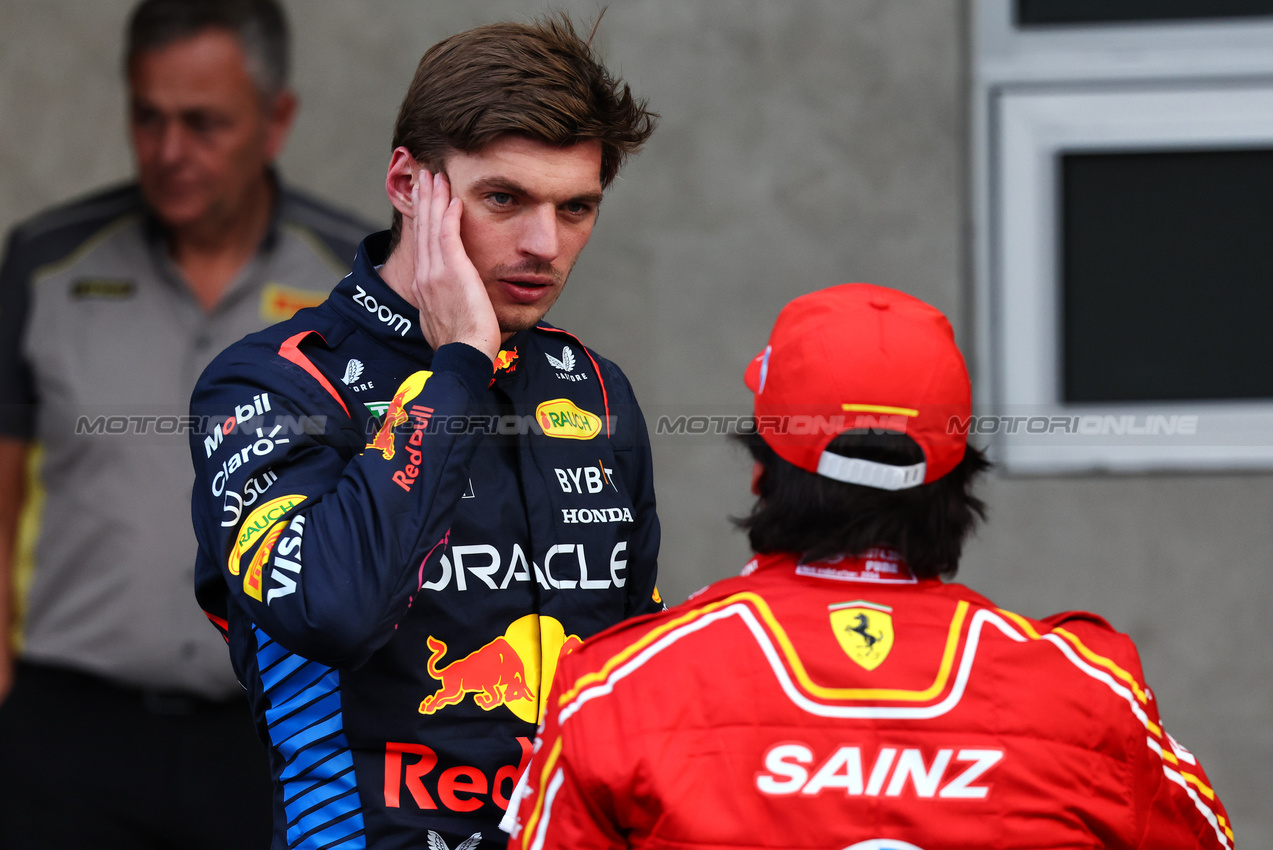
x,y
450,246
439,200
436,211
449,293
421,195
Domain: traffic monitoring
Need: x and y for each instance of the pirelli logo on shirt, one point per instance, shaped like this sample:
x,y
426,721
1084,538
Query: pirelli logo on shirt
x,y
103,288
279,302
561,417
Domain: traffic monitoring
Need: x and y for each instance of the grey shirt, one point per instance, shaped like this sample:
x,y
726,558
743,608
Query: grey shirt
x,y
101,343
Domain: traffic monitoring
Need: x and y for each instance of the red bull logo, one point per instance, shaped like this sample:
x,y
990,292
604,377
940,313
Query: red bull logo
x,y
505,359
414,768
396,414
507,671
494,673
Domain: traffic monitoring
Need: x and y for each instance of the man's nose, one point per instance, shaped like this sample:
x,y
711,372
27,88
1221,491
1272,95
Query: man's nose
x,y
539,237
172,142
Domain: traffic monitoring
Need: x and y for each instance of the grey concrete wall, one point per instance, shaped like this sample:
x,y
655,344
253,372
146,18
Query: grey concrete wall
x,y
803,143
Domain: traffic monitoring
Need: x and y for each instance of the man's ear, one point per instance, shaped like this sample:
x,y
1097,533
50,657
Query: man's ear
x,y
757,477
281,113
398,180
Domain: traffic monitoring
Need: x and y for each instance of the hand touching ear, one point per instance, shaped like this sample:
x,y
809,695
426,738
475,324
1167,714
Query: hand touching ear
x,y
454,306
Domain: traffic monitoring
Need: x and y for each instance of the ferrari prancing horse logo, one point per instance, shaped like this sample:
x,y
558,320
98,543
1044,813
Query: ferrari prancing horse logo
x,y
864,630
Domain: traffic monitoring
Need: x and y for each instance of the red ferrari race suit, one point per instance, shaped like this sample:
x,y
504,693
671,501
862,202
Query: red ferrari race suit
x,y
849,705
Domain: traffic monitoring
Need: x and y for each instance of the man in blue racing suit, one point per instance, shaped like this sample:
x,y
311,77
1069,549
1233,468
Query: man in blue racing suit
x,y
413,498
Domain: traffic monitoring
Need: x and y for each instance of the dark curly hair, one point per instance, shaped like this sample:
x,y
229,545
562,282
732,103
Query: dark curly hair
x,y
819,517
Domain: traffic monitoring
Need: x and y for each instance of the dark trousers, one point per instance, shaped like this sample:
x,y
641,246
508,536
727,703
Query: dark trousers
x,y
88,765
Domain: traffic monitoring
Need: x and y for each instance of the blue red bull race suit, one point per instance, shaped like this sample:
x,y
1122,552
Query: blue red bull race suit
x,y
399,545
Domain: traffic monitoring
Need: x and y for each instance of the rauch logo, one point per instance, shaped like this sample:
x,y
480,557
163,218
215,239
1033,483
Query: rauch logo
x,y
257,523
561,418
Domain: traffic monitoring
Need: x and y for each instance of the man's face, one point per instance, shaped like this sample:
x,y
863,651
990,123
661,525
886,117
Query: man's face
x,y
201,132
529,209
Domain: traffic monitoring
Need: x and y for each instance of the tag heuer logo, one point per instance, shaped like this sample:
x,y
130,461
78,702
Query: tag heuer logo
x,y
864,631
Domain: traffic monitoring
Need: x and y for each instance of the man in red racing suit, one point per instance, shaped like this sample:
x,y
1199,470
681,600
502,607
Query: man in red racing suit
x,y
858,701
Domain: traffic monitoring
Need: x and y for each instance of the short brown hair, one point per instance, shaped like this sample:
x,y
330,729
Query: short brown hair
x,y
260,26
539,80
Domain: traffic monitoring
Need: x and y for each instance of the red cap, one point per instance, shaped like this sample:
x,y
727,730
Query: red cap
x,y
861,356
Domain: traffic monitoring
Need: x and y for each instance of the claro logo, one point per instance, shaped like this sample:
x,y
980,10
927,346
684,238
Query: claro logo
x,y
257,523
395,321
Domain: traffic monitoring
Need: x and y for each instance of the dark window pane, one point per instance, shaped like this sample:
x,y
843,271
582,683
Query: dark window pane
x,y
1043,12
1167,275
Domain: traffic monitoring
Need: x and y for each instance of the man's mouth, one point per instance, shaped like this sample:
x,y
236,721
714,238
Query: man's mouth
x,y
527,289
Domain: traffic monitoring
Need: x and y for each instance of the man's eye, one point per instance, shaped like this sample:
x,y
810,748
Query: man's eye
x,y
578,208
200,123
501,199
145,117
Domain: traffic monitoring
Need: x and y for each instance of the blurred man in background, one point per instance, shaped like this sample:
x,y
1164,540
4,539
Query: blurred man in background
x,y
839,694
123,725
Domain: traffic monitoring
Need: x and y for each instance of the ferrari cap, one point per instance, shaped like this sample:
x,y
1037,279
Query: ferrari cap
x,y
862,357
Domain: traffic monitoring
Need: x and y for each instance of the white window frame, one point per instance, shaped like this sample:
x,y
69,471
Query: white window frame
x,y
1043,92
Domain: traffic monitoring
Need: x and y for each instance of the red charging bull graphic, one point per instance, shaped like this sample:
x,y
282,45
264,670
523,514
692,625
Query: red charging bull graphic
x,y
495,673
507,671
505,360
396,414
